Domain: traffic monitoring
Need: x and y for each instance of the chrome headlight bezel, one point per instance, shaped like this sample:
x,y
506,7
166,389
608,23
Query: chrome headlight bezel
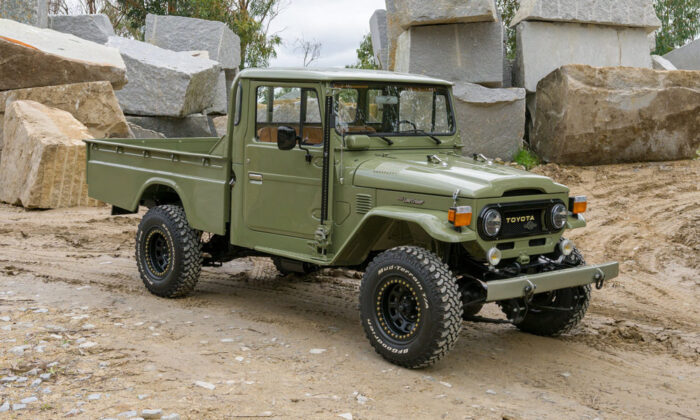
x,y
558,215
491,223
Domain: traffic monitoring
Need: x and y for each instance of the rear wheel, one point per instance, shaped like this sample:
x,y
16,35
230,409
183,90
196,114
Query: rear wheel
x,y
410,307
168,252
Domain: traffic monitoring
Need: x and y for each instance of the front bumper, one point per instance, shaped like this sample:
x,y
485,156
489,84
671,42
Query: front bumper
x,y
522,286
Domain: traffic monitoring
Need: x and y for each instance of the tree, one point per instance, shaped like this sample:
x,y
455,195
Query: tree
x,y
310,49
680,23
365,55
249,19
508,8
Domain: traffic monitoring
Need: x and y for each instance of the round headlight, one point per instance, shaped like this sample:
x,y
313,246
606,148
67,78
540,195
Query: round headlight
x,y
491,223
559,216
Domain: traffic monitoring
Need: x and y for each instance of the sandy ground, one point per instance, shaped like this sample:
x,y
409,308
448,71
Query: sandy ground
x,y
73,309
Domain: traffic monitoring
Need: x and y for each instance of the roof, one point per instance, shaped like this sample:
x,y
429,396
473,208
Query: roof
x,y
339,75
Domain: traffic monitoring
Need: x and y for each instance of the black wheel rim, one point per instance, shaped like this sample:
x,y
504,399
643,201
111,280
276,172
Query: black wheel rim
x,y
158,253
398,309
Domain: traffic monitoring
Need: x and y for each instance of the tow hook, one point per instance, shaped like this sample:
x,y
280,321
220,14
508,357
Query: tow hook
x,y
599,278
529,291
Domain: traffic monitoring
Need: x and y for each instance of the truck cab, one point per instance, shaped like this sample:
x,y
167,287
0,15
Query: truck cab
x,y
358,169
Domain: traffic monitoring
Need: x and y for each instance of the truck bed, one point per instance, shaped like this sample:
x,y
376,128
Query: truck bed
x,y
121,172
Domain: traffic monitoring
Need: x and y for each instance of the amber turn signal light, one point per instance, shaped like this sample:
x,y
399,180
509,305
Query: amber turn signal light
x,y
578,204
460,216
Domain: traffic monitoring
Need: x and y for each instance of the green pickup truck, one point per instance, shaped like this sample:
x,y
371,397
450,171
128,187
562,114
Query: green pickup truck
x,y
357,169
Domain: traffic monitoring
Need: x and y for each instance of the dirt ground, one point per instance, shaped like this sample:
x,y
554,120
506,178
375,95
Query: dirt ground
x,y
248,343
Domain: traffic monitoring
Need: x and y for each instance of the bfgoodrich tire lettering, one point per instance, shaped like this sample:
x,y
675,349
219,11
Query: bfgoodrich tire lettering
x,y
168,252
410,307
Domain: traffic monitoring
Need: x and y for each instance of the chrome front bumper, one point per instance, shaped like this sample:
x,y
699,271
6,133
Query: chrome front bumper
x,y
523,286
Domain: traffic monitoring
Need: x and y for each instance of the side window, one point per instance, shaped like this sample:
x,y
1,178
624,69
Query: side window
x,y
239,101
293,107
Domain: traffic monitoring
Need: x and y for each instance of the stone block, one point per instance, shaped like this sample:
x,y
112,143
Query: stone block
x,y
163,82
544,47
469,52
222,93
491,121
185,34
591,115
393,31
30,12
138,132
95,28
660,63
93,104
439,12
624,13
33,57
43,162
196,125
221,125
687,57
380,39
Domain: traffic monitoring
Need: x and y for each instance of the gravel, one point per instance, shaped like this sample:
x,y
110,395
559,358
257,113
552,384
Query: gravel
x,y
152,413
206,385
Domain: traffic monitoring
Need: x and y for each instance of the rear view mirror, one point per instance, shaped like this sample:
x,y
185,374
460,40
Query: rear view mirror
x,y
286,138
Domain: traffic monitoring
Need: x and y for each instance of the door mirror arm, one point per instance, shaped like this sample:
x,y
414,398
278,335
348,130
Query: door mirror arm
x,y
308,156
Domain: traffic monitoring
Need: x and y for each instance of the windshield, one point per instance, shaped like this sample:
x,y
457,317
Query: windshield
x,y
391,110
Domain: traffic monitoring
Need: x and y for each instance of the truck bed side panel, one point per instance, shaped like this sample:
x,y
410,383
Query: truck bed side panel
x,y
120,173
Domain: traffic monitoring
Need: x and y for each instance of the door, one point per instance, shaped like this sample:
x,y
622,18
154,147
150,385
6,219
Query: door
x,y
283,188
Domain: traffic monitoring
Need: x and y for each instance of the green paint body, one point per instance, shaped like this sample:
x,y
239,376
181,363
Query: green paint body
x,y
269,200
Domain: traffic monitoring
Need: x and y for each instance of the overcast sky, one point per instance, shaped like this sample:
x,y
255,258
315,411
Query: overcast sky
x,y
338,24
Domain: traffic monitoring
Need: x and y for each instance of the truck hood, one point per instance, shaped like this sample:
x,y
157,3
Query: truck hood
x,y
413,173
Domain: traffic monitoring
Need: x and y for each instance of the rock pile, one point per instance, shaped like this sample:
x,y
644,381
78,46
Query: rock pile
x,y
460,41
75,80
55,90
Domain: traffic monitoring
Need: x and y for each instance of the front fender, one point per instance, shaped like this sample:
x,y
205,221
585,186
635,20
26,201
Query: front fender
x,y
433,222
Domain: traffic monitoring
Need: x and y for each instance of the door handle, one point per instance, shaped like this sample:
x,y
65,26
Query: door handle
x,y
255,177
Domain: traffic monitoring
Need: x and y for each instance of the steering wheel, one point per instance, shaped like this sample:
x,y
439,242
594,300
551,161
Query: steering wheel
x,y
415,127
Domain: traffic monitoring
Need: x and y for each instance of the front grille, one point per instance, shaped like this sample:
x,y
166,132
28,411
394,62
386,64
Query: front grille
x,y
521,219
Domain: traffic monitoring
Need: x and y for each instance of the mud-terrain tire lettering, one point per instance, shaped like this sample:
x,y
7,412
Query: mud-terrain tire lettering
x,y
429,284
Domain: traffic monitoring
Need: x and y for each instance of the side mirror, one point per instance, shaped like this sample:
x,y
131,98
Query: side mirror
x,y
357,142
286,138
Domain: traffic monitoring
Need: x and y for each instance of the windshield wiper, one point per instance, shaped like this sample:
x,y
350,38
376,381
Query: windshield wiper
x,y
386,139
421,132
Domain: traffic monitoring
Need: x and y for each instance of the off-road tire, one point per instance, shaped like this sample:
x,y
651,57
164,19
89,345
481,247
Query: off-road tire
x,y
553,323
431,287
170,268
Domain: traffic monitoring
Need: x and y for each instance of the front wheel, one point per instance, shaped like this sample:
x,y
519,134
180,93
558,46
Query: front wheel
x,y
410,307
168,252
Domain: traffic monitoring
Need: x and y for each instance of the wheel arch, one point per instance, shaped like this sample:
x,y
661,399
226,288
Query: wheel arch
x,y
159,191
390,226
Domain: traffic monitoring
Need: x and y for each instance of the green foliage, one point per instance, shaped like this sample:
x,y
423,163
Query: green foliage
x,y
249,19
526,158
365,55
508,8
680,23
